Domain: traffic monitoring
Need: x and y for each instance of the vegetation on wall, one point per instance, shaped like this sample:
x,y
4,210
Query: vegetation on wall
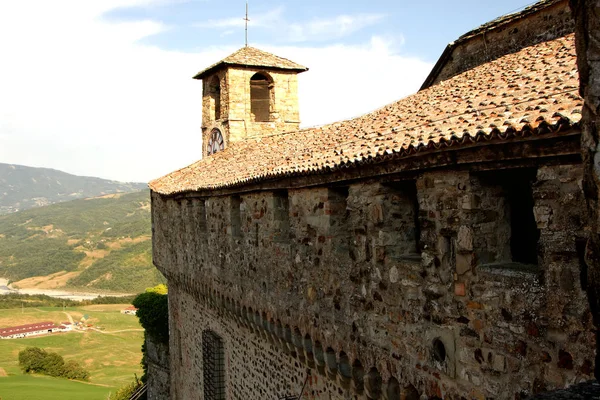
x,y
153,313
125,392
39,361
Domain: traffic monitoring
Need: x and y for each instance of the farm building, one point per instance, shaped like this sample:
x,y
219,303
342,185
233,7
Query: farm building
x,y
21,331
131,310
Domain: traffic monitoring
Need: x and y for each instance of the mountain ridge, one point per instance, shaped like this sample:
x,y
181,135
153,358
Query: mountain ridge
x,y
23,187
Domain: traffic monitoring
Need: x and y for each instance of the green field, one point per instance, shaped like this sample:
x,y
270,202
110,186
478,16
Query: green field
x,y
112,356
24,387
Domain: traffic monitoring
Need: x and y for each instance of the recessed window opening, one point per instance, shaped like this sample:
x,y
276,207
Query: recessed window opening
x,y
281,206
236,219
215,97
403,216
202,220
260,97
439,350
213,366
524,231
337,210
516,186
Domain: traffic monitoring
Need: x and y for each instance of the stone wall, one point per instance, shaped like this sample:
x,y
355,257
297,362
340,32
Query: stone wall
x,y
388,289
236,120
159,379
587,40
494,41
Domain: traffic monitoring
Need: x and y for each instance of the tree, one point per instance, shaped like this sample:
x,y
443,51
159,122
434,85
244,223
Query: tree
x,y
32,359
53,364
72,370
36,360
161,288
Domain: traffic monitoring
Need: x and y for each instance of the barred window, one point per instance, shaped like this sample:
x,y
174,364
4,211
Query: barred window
x,y
213,363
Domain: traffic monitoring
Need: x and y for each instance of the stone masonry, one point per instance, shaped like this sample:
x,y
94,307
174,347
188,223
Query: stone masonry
x,y
587,16
434,248
157,358
235,120
349,284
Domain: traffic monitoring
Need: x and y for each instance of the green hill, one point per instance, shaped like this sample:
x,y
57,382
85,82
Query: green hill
x,y
100,243
22,188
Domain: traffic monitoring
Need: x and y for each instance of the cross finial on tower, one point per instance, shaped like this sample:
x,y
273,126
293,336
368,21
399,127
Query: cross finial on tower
x,y
246,19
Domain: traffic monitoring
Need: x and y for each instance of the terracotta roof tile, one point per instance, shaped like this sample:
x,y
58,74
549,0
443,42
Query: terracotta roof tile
x,y
4,332
253,57
534,91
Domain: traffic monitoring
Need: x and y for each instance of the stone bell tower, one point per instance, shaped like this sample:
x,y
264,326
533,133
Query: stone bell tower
x,y
248,94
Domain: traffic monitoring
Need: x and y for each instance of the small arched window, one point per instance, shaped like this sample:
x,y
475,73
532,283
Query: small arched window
x,y
215,142
260,97
215,97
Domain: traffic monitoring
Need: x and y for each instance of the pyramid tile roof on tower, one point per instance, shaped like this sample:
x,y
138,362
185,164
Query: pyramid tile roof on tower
x,y
251,56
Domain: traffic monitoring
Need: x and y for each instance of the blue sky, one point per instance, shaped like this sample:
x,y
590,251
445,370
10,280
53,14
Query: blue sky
x,y
103,87
420,29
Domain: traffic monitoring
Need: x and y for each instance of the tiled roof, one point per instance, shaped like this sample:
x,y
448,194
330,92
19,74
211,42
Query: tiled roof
x,y
531,92
14,330
253,57
488,26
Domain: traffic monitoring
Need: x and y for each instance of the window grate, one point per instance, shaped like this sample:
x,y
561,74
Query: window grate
x,y
213,362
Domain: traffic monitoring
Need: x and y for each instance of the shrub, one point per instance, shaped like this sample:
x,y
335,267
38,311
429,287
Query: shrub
x,y
72,370
153,312
125,392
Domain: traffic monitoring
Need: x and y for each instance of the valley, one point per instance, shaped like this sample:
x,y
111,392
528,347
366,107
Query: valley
x,y
109,350
89,246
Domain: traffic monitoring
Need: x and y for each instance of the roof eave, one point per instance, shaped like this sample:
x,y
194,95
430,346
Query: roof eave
x,y
210,70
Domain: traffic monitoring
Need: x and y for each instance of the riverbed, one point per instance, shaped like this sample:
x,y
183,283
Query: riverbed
x,y
61,294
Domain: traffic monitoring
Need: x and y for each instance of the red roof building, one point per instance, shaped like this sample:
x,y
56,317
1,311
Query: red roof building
x,y
27,330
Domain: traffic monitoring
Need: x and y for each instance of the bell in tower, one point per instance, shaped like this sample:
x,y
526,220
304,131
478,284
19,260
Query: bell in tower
x,y
248,94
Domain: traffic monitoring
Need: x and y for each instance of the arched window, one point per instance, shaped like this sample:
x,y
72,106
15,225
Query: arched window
x,y
215,97
213,366
215,142
260,97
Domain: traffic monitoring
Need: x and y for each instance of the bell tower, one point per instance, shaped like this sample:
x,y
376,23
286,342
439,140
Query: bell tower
x,y
248,94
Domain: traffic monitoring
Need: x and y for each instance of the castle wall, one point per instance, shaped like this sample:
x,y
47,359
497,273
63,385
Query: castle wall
x,y
159,378
382,289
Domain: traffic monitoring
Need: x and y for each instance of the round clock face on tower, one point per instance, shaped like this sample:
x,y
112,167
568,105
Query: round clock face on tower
x,y
215,142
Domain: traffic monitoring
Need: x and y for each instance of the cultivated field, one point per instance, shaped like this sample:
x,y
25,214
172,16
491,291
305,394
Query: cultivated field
x,y
111,354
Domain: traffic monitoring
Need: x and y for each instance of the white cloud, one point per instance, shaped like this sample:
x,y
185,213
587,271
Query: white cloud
x,y
264,20
331,28
316,29
81,94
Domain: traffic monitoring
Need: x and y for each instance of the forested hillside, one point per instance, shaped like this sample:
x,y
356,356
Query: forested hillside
x,y
99,243
22,187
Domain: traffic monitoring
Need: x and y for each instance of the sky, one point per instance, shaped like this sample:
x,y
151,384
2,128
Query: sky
x,y
104,87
